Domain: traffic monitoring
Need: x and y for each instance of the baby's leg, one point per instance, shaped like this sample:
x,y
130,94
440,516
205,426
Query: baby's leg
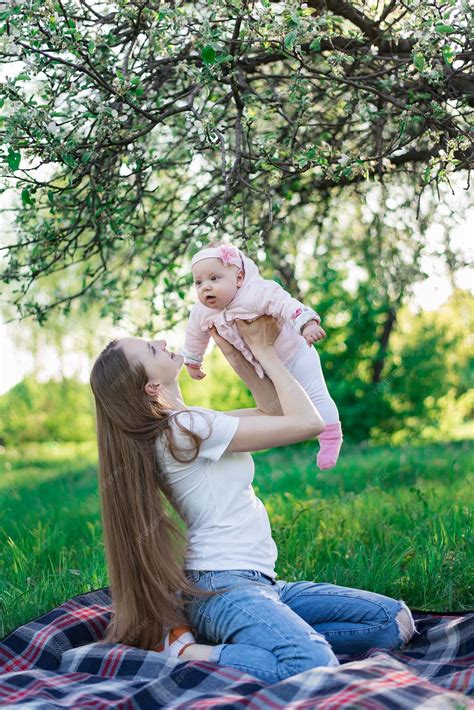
x,y
306,368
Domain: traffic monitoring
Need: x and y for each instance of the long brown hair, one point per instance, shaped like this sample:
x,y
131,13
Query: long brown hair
x,y
144,546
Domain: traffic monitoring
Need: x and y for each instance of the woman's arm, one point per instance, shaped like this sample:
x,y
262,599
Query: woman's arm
x,y
263,391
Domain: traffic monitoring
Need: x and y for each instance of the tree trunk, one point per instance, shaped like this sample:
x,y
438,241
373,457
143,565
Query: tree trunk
x,y
387,329
284,269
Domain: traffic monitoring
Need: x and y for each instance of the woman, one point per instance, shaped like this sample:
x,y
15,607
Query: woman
x,y
154,449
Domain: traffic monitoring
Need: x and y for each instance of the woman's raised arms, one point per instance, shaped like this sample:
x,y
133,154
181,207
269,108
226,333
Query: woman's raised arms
x,y
263,390
299,419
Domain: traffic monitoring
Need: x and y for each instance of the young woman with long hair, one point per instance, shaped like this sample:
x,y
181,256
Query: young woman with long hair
x,y
218,580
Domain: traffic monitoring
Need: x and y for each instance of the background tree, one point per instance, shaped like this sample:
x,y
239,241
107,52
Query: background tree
x,y
156,126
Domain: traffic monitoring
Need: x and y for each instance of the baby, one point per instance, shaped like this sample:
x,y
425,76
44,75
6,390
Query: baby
x,y
229,287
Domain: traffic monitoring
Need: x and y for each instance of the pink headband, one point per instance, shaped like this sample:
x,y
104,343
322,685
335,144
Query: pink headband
x,y
226,253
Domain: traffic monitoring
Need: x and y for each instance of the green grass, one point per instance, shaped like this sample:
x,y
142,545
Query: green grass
x,y
397,521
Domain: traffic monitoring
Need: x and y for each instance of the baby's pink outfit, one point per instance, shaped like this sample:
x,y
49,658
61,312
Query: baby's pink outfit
x,y
256,297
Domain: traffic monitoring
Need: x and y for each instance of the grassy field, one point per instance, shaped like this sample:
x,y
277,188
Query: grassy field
x,y
397,521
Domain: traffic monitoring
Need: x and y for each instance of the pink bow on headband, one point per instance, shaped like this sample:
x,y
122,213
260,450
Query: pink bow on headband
x,y
228,254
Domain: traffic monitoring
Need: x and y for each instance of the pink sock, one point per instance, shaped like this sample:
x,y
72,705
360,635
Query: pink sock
x,y
330,442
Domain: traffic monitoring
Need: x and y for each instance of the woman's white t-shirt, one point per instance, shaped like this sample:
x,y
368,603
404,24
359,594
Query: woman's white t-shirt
x,y
228,526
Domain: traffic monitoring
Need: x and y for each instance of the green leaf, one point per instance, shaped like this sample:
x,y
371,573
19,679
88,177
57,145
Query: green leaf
x,y
444,29
448,54
419,61
290,40
115,227
427,174
26,197
69,160
208,54
13,159
225,58
86,156
316,44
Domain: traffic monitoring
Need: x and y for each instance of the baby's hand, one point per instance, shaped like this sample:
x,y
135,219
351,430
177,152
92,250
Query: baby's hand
x,y
312,332
195,372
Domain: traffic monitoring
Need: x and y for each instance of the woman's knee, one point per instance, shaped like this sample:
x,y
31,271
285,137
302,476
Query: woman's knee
x,y
315,653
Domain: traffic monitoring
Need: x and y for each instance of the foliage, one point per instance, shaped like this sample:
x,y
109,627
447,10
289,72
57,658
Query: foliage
x,y
55,410
221,389
157,126
427,393
63,410
430,378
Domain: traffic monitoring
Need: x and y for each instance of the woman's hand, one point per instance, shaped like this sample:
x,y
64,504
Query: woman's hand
x,y
259,333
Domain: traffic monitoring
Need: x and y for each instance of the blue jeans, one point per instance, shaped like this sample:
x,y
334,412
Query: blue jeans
x,y
274,629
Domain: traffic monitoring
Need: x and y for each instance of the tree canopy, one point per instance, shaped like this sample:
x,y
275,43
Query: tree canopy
x,y
135,131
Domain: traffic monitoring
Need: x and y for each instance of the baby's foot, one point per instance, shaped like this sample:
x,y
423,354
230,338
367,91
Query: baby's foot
x,y
330,442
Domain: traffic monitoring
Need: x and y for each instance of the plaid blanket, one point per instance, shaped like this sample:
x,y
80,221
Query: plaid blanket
x,y
56,661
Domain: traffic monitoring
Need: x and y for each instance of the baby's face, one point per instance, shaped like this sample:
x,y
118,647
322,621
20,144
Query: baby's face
x,y
216,284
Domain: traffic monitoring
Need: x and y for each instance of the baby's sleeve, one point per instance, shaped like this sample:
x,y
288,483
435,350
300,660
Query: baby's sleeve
x,y
271,299
195,340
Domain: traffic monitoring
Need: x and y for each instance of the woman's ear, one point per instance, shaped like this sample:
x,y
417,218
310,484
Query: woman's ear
x,y
151,388
240,278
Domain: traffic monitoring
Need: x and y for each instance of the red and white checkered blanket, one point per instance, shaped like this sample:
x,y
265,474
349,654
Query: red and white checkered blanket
x,y
56,661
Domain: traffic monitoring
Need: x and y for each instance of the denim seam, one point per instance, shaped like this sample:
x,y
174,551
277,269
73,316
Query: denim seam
x,y
238,573
195,601
349,596
286,640
200,611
